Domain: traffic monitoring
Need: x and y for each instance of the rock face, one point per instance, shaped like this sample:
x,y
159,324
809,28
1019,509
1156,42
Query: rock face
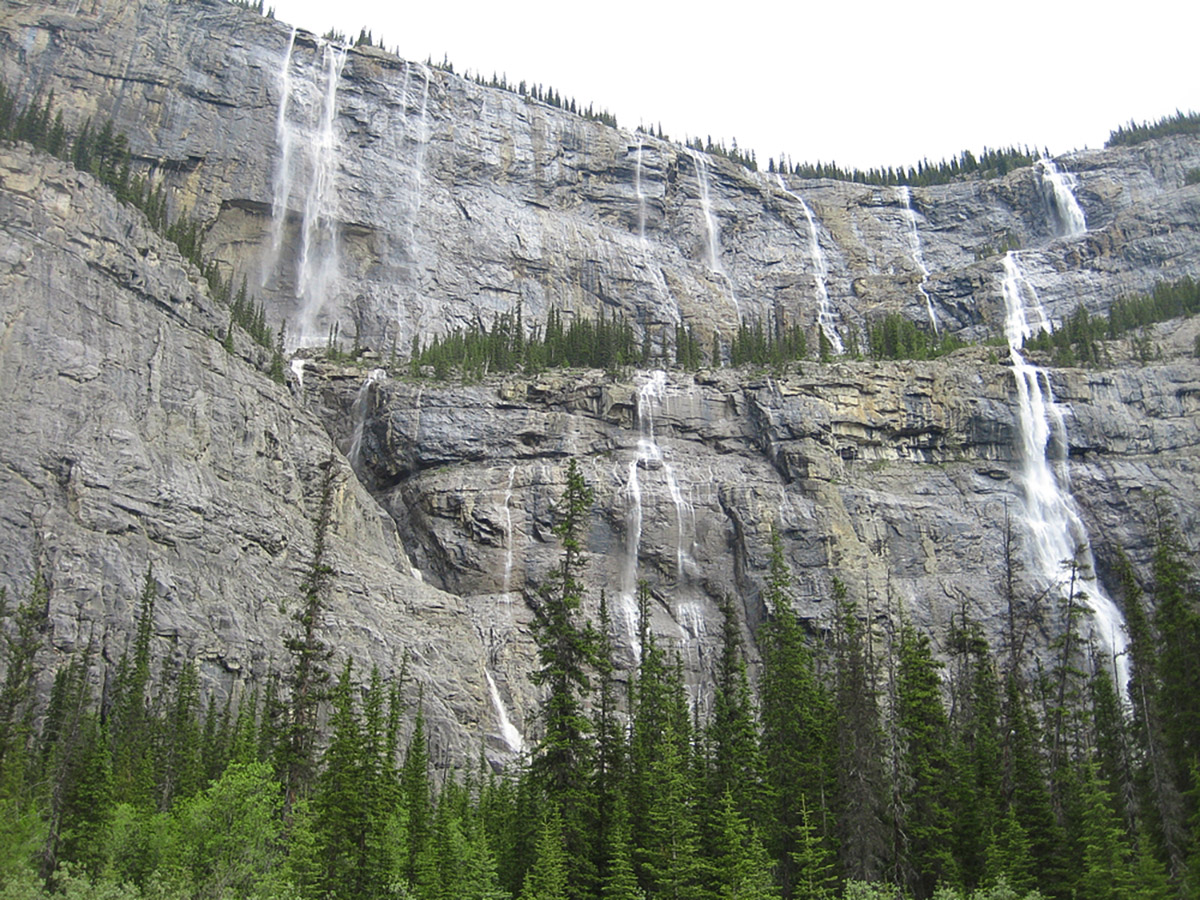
x,y
896,479
132,439
417,202
362,192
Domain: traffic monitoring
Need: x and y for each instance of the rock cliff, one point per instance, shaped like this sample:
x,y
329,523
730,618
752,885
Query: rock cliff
x,y
393,201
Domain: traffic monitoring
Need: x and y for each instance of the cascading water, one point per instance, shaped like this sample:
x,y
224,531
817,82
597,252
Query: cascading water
x,y
306,133
825,318
713,231
1056,531
1058,190
914,246
297,366
508,731
641,195
358,414
649,456
281,177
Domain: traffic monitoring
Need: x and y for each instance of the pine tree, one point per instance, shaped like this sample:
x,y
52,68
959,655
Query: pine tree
x,y
924,738
796,724
815,877
567,652
17,694
732,729
859,791
133,726
547,879
310,655
1106,872
743,868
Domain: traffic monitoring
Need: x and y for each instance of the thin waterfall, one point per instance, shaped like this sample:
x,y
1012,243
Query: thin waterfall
x,y
281,177
1058,190
825,318
914,246
358,415
649,456
713,231
641,195
1057,535
508,731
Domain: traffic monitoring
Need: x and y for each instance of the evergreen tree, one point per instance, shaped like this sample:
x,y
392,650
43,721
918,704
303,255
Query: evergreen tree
x,y
310,655
547,879
859,793
924,738
133,725
567,652
743,868
796,724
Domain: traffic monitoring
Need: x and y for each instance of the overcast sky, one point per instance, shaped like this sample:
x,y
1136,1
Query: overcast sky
x,y
862,84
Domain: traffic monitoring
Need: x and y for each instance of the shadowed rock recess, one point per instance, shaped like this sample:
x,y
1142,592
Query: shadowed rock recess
x,y
393,201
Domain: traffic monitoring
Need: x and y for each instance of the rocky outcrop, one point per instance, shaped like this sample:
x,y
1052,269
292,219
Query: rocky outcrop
x,y
898,479
446,202
132,439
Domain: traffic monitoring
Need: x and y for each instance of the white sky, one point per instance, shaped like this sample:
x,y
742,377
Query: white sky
x,y
860,83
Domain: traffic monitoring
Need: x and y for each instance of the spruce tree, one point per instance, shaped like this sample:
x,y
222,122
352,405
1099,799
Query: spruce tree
x,y
567,654
796,724
926,766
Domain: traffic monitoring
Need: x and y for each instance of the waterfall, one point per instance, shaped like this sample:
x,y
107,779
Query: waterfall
x,y
641,195
508,731
281,177
914,247
712,230
821,273
306,135
649,456
297,366
1058,190
358,415
1055,529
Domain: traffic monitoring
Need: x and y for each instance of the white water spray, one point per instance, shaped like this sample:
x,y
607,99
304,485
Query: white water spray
x,y
297,366
825,319
508,731
306,134
281,177
1058,190
1056,530
914,246
358,414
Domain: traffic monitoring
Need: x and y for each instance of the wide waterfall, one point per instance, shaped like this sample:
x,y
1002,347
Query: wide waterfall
x,y
306,172
1058,539
914,247
1058,190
